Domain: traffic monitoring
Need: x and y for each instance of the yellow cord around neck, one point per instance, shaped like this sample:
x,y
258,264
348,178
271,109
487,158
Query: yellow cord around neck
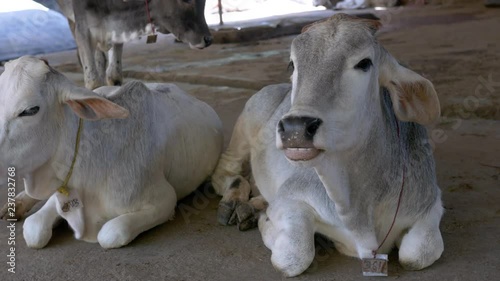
x,y
63,189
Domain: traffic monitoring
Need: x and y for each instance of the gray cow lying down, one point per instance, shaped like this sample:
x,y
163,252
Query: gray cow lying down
x,y
128,173
330,153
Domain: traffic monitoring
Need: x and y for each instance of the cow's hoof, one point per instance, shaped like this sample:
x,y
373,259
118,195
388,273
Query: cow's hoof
x,y
225,212
92,84
247,217
114,82
237,213
250,223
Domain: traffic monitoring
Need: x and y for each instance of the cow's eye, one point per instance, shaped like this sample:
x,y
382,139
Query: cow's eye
x,y
290,67
30,111
364,64
187,1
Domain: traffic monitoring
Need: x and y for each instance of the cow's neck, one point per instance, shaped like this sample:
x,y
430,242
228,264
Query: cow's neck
x,y
349,175
65,151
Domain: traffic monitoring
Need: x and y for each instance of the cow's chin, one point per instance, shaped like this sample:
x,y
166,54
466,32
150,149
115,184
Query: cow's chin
x,y
302,155
198,46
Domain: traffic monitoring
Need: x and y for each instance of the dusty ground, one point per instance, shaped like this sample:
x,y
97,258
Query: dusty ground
x,y
455,46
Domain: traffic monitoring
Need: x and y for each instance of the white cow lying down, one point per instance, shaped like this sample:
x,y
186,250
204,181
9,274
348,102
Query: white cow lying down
x,y
128,173
329,153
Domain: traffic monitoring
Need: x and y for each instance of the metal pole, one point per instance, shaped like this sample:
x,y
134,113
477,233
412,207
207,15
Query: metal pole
x,y
221,22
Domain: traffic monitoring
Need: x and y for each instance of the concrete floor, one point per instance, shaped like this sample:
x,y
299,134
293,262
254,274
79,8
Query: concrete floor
x,y
452,45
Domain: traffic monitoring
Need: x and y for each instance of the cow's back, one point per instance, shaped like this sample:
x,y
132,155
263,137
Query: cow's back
x,y
167,133
196,134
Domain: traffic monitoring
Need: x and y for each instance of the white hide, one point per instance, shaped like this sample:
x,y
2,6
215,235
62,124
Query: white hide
x,y
129,172
370,141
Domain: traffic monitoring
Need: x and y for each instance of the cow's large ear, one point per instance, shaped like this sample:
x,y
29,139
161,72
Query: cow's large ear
x,y
413,97
88,105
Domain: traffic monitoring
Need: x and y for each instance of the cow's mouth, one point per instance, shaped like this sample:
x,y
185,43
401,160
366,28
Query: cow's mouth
x,y
302,153
199,46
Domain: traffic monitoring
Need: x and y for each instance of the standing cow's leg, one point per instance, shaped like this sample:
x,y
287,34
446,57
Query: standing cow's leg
x,y
100,62
86,47
37,229
287,229
86,53
114,70
123,229
24,203
72,28
423,244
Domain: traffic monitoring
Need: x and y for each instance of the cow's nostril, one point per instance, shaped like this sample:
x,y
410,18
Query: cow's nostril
x,y
298,131
312,126
281,129
208,40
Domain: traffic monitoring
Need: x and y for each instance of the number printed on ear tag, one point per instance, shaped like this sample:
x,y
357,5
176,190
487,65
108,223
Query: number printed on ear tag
x,y
376,266
69,203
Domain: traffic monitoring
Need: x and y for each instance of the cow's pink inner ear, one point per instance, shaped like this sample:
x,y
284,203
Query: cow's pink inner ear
x,y
415,101
97,108
373,25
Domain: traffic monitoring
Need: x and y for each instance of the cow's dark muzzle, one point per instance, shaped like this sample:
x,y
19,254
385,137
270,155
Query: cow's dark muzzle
x,y
297,136
208,40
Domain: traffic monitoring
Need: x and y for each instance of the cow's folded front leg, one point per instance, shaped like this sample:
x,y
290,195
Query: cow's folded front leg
x,y
121,230
24,203
287,229
232,161
37,229
228,181
423,244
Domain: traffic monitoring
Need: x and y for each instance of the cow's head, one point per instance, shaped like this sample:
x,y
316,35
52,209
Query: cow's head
x,y
327,3
185,19
32,100
339,68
